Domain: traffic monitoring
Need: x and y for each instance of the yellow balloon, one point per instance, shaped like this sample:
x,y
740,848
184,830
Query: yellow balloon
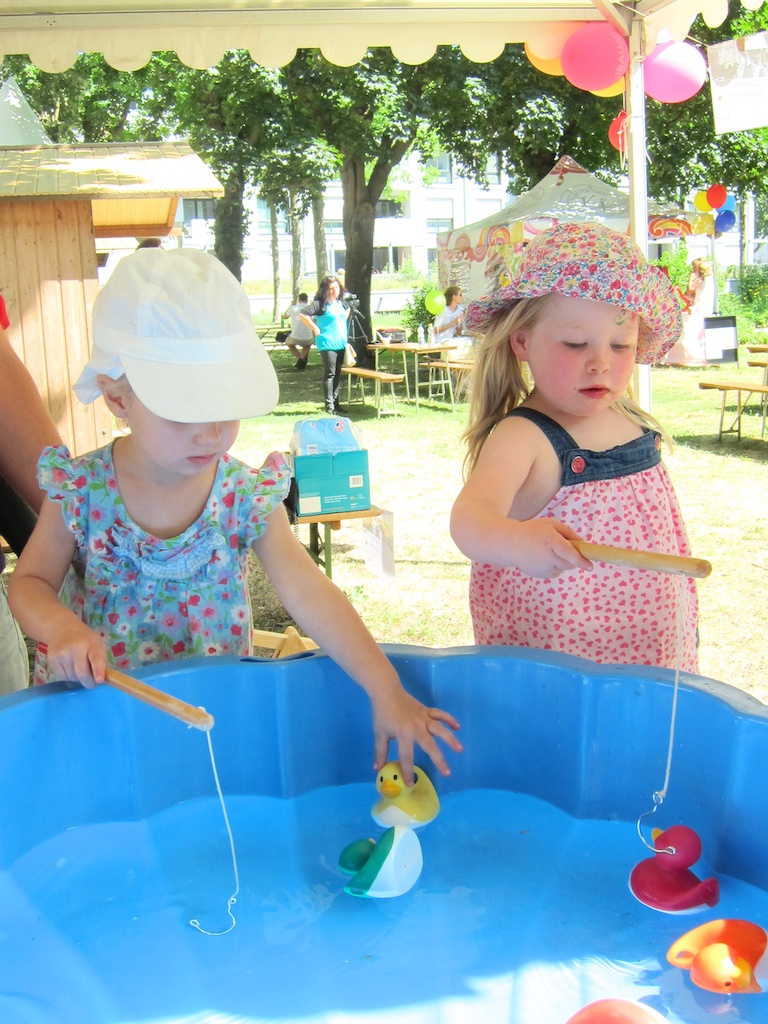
x,y
701,203
613,90
703,224
549,67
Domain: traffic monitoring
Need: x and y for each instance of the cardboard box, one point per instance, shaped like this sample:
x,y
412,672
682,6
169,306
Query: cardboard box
x,y
337,482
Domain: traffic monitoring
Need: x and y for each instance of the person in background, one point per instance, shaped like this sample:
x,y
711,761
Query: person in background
x,y
700,292
157,525
301,336
25,429
450,322
326,316
557,451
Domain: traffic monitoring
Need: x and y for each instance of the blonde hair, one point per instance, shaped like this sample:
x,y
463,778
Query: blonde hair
x,y
500,382
702,267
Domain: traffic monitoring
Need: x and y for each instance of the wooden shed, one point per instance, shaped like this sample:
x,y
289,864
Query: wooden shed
x,y
54,202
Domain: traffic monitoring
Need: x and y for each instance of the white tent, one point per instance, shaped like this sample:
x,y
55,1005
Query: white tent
x,y
480,257
19,125
52,32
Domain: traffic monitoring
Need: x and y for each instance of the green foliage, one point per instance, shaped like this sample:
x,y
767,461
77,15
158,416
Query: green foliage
x,y
415,312
750,306
677,265
754,285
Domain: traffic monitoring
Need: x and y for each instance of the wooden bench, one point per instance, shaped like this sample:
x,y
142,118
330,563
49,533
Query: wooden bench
x,y
460,367
741,388
378,377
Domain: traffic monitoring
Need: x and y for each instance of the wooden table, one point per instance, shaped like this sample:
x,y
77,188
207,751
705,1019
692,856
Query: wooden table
x,y
418,350
330,521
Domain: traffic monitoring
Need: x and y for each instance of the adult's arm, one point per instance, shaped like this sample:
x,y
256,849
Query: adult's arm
x,y
25,426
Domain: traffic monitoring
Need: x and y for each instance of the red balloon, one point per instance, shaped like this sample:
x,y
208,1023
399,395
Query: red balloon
x,y
595,56
716,196
617,133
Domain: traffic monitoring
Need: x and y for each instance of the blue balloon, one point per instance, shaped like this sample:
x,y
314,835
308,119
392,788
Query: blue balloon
x,y
729,204
725,220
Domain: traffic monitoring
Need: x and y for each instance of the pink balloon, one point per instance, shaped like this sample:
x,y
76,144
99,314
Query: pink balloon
x,y
595,56
674,72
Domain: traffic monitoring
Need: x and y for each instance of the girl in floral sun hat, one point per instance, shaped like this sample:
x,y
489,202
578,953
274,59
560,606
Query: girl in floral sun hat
x,y
157,525
558,451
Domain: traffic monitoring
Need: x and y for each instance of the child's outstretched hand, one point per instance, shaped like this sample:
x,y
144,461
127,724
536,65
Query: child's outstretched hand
x,y
76,652
399,716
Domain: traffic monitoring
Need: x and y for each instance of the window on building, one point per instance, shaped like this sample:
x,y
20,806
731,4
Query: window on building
x,y
263,222
493,170
442,164
389,208
198,209
438,224
334,227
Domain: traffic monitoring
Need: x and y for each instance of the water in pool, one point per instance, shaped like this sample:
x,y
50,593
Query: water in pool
x,y
521,915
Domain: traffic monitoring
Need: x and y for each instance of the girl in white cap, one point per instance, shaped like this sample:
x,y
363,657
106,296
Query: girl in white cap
x,y
557,451
156,525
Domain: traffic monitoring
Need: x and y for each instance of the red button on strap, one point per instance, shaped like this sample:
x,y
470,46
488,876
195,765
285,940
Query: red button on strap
x,y
578,465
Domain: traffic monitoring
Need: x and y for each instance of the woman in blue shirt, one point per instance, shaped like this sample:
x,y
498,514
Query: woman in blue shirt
x,y
326,316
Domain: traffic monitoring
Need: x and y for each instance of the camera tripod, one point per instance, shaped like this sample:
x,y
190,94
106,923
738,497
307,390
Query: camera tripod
x,y
358,339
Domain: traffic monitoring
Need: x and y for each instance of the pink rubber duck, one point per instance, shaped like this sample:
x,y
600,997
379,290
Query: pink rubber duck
x,y
664,881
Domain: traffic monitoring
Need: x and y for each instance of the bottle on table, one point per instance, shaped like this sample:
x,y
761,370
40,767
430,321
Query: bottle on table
x,y
420,334
431,334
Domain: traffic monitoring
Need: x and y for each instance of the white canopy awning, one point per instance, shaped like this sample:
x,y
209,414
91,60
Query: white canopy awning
x,y
53,32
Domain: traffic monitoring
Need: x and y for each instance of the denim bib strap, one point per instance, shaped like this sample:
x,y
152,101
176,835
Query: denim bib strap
x,y
581,464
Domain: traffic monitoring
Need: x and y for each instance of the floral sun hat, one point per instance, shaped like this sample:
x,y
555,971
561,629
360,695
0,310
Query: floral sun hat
x,y
590,261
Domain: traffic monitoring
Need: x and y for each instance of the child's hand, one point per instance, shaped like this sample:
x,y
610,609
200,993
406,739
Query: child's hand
x,y
543,548
76,652
401,717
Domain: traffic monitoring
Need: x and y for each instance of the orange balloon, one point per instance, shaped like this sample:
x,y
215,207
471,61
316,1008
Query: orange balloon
x,y
547,41
613,90
549,67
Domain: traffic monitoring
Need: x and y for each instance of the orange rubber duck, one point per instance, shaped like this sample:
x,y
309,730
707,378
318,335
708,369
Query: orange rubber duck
x,y
615,1011
664,881
725,956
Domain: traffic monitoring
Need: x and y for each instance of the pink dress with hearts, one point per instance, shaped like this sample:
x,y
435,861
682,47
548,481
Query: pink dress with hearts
x,y
615,615
153,599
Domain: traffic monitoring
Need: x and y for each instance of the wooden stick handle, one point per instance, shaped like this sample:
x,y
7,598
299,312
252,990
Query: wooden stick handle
x,y
198,718
698,568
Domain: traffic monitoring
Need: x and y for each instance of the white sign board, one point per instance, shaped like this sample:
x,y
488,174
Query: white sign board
x,y
738,75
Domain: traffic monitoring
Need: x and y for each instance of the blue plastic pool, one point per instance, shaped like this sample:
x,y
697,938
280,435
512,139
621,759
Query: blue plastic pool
x,y
112,838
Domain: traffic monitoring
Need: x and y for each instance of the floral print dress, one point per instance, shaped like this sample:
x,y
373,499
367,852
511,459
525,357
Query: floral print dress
x,y
156,599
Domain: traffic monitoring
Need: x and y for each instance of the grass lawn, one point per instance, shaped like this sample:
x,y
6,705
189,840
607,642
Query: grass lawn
x,y
415,466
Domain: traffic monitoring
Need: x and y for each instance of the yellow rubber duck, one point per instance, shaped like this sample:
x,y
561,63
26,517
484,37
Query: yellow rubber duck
x,y
414,805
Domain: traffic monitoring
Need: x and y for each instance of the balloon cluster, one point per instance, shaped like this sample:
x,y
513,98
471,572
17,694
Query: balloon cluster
x,y
595,57
718,210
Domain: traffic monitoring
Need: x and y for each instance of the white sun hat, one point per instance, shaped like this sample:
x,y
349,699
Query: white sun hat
x,y
178,324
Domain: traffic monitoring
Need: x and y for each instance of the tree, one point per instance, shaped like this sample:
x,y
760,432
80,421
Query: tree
x,y
371,115
90,102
